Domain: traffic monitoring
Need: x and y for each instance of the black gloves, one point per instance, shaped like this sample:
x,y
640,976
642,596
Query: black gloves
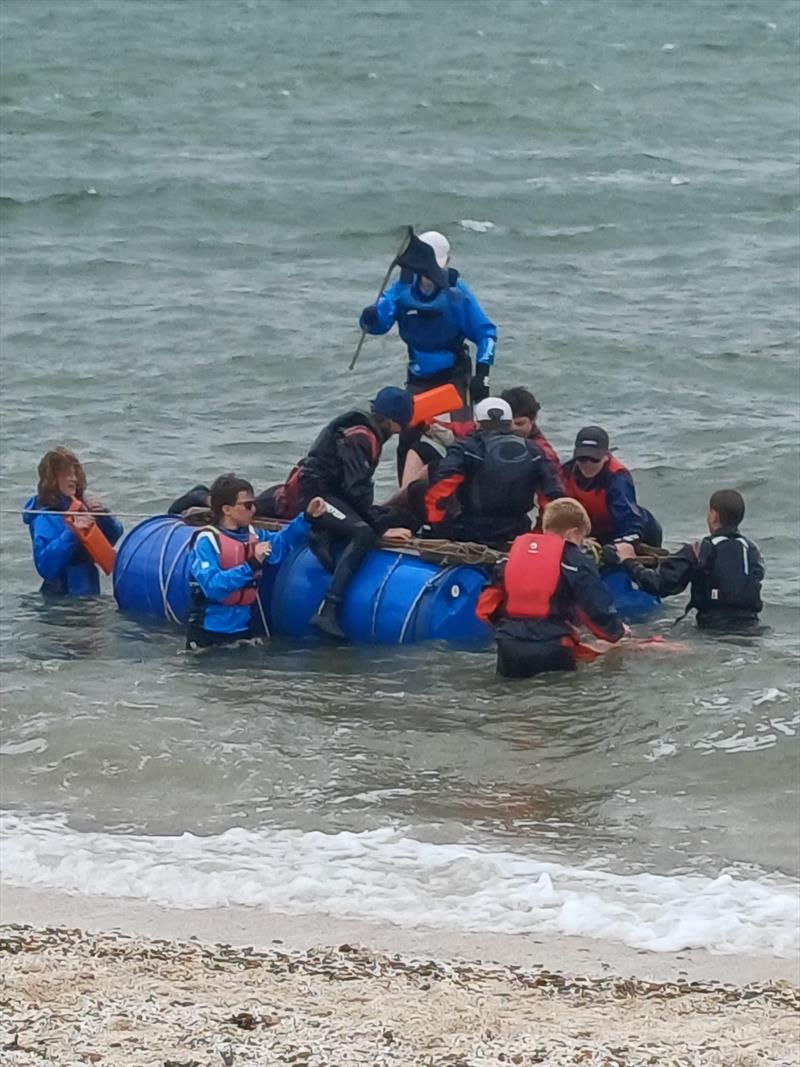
x,y
369,317
479,384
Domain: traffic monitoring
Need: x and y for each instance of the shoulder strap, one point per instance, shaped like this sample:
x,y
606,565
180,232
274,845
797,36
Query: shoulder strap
x,y
211,532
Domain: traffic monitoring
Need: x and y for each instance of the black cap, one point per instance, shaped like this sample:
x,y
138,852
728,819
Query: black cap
x,y
591,443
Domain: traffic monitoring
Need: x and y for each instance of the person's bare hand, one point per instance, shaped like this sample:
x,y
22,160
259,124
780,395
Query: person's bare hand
x,y
399,533
262,550
626,630
93,504
316,508
625,550
82,522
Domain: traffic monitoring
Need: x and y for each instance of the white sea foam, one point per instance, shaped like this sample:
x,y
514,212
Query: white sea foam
x,y
385,875
476,225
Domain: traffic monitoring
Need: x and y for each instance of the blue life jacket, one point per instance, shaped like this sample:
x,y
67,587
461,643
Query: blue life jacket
x,y
59,557
432,328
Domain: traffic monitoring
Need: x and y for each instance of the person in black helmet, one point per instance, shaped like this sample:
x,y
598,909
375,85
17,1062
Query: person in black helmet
x,y
485,486
343,459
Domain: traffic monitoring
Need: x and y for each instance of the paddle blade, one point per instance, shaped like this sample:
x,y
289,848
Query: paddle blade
x,y
419,258
433,402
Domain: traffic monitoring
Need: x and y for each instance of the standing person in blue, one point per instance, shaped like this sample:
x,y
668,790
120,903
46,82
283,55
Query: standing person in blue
x,y
725,570
436,313
226,562
58,551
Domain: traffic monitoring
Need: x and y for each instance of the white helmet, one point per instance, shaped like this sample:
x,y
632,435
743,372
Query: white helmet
x,y
439,244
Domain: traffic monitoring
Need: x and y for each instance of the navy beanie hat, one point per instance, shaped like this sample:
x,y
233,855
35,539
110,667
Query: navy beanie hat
x,y
395,404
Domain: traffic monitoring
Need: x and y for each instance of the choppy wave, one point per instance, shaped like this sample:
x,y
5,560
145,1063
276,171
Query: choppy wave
x,y
65,199
385,875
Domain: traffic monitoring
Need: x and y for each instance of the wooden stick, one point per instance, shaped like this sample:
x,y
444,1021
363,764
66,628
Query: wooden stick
x,y
403,246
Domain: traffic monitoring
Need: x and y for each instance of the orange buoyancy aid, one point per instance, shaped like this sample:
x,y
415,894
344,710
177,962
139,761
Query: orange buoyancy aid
x,y
531,575
232,553
92,538
595,499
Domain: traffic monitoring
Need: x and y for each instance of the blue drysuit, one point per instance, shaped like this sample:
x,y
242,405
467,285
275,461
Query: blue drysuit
x,y
60,558
433,325
212,584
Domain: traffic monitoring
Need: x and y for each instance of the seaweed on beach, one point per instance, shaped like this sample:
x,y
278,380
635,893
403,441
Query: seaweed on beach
x,y
112,999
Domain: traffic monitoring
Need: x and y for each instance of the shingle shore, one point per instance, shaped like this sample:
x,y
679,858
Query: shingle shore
x,y
74,999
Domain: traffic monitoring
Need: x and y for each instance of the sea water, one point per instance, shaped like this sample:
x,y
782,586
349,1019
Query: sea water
x,y
197,201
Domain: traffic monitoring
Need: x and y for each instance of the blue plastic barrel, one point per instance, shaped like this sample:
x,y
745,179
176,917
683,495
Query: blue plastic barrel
x,y
394,599
633,604
151,573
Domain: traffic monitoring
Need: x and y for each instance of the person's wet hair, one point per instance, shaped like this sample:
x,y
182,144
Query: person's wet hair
x,y
51,465
729,505
524,404
225,490
565,514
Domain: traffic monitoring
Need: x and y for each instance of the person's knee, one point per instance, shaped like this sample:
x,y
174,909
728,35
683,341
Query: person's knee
x,y
364,537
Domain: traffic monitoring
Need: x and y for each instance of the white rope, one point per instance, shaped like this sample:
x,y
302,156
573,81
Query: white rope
x,y
94,514
169,613
379,593
431,582
178,554
263,616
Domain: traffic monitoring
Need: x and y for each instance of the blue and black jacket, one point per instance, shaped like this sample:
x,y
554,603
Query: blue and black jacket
x,y
433,325
58,555
725,571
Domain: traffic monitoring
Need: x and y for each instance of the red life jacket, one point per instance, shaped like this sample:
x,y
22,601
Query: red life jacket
x,y
531,575
595,500
232,553
550,453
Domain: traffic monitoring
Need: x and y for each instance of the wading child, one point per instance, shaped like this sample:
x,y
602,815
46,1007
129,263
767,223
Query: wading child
x,y
226,562
545,589
725,570
63,536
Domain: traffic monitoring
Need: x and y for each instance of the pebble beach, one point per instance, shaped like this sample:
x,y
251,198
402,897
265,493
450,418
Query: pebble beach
x,y
74,998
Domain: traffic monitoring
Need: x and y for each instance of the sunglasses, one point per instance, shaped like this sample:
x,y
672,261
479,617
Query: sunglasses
x,y
249,504
588,459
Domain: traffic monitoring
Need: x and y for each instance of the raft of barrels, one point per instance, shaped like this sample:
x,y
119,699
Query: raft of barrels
x,y
422,591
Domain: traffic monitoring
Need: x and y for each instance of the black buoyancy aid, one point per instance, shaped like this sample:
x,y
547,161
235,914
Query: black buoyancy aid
x,y
532,574
729,578
232,553
322,461
505,474
595,498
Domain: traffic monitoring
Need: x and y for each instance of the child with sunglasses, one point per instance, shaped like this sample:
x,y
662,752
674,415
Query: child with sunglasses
x,y
226,563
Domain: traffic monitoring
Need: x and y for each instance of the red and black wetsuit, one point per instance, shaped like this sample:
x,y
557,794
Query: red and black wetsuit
x,y
541,441
339,467
538,438
545,589
485,486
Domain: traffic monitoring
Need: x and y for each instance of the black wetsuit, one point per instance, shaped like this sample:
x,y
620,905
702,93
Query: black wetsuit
x,y
485,486
725,571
